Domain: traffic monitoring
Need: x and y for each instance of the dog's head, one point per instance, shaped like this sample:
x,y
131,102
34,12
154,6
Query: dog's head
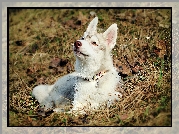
x,y
94,48
92,42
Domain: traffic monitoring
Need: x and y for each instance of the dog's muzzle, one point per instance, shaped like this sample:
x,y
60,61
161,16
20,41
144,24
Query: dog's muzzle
x,y
76,49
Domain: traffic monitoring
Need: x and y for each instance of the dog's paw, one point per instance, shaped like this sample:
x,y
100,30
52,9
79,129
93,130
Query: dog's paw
x,y
58,110
118,94
76,113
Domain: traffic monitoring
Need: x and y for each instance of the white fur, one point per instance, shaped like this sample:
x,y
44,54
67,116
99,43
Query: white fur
x,y
80,88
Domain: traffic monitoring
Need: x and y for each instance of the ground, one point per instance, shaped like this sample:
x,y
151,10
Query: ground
x,y
40,52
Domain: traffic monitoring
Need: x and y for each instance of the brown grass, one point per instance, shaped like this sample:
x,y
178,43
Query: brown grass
x,y
38,36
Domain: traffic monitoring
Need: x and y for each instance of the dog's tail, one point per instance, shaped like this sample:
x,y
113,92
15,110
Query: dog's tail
x,y
42,94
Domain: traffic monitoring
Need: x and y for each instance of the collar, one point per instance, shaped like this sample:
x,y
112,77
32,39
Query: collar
x,y
96,77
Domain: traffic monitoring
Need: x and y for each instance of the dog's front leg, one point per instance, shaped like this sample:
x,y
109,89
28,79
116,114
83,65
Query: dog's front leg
x,y
85,93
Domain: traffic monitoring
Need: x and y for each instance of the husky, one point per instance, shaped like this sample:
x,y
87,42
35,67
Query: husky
x,y
93,84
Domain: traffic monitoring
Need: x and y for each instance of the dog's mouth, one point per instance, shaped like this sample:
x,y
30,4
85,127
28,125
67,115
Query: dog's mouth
x,y
77,52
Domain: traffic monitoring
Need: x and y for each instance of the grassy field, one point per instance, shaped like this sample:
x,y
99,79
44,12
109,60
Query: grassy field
x,y
40,52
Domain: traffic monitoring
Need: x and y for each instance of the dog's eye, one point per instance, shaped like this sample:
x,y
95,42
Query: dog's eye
x,y
82,38
94,43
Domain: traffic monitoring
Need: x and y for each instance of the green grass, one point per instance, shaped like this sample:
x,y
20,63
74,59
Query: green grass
x,y
38,36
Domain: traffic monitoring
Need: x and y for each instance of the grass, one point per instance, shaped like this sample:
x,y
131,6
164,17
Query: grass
x,y
36,36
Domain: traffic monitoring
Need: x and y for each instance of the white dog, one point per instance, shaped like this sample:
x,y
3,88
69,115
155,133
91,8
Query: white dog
x,y
93,84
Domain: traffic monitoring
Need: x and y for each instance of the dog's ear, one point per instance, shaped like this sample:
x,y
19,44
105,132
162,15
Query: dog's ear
x,y
91,30
111,35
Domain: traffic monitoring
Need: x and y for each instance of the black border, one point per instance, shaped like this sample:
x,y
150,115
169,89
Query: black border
x,y
8,8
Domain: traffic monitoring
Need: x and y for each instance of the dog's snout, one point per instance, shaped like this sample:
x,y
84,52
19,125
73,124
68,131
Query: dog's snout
x,y
78,44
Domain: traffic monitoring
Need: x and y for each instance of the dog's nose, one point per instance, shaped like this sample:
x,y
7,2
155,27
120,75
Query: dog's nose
x,y
78,44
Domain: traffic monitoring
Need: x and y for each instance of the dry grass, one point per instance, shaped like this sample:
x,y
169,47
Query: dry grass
x,y
142,56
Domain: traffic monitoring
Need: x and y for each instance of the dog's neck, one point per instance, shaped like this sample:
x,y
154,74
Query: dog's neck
x,y
86,70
